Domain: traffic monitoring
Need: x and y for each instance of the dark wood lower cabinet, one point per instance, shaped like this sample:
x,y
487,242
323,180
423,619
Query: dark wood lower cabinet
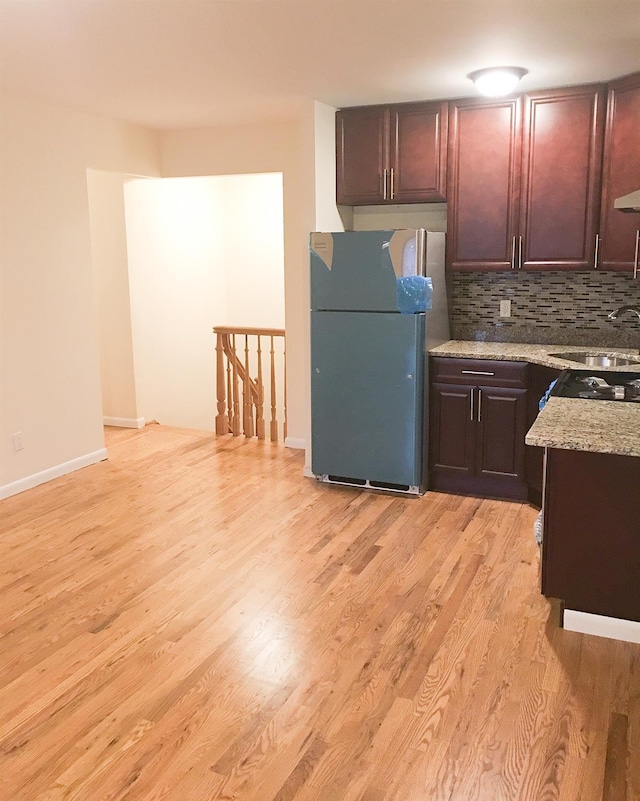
x,y
480,412
477,430
591,544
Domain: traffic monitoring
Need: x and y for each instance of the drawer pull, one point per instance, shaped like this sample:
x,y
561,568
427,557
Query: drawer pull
x,y
476,372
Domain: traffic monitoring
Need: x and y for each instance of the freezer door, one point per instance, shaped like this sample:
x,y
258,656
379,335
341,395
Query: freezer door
x,y
359,270
366,396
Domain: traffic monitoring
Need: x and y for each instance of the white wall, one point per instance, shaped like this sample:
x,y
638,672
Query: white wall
x,y
432,216
287,148
176,292
111,280
202,251
303,150
252,231
50,372
50,375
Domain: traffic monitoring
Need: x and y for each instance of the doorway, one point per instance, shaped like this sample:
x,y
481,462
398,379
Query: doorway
x,y
199,252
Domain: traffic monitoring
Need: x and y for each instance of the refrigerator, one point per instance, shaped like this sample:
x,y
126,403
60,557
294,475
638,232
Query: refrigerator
x,y
378,303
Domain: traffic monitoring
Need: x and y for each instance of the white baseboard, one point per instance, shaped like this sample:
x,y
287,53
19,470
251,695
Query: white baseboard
x,y
53,472
601,626
307,472
124,422
297,443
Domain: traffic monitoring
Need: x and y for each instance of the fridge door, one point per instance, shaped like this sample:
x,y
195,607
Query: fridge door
x,y
359,270
366,387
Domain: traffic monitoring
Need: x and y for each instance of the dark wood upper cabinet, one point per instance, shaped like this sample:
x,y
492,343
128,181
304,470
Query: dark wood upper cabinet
x,y
391,154
361,154
560,178
620,231
525,196
529,181
483,183
418,152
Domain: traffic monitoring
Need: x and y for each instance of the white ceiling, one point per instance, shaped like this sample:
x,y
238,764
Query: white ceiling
x,y
191,63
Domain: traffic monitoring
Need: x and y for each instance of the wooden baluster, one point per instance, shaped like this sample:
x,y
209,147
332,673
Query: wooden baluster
x,y
274,421
247,418
236,391
232,368
260,400
229,385
222,421
284,371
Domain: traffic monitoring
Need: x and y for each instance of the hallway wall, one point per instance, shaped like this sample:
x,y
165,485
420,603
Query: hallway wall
x,y
202,251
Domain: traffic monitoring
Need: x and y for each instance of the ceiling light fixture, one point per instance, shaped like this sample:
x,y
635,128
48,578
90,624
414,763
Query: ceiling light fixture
x,y
497,81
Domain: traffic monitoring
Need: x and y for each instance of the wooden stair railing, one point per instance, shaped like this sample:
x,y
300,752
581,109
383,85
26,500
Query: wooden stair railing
x,y
241,398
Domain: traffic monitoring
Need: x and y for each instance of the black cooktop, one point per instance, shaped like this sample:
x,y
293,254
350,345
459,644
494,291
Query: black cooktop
x,y
598,385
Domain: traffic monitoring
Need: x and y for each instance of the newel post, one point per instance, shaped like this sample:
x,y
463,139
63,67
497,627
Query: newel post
x,y
222,420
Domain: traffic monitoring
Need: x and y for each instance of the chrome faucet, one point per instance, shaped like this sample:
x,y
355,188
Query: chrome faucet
x,y
617,312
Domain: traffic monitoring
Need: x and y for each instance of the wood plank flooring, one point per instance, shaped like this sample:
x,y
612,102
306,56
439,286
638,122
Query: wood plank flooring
x,y
193,620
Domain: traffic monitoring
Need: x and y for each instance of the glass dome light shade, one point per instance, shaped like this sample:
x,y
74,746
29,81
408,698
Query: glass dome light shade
x,y
497,81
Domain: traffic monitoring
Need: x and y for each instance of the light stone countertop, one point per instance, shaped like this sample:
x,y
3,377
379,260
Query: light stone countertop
x,y
535,354
575,424
567,423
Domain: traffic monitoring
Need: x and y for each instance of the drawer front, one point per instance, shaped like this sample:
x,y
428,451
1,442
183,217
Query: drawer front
x,y
481,372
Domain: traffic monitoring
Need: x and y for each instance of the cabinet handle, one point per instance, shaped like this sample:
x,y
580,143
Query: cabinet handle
x,y
475,372
635,261
479,404
513,254
473,389
384,184
520,249
597,251
393,182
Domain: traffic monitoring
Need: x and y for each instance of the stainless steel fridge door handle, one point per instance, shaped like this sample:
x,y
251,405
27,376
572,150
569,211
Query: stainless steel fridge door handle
x,y
479,404
421,252
635,261
597,251
471,394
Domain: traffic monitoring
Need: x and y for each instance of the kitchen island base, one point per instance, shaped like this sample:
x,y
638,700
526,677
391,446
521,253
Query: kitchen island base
x,y
591,541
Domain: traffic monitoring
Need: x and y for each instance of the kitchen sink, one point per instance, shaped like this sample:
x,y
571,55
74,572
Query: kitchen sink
x,y
597,359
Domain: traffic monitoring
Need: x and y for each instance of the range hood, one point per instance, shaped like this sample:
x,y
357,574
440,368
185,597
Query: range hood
x,y
630,202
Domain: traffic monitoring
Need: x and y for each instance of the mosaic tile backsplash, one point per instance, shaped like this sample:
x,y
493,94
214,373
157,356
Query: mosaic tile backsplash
x,y
567,308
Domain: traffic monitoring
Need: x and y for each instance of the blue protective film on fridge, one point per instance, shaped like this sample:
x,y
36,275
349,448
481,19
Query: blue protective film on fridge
x,y
413,293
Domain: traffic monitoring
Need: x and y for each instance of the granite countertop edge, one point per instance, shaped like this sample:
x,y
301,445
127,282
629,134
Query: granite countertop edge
x,y
535,354
566,423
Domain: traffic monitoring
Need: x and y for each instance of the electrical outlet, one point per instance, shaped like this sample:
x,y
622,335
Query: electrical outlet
x,y
505,308
17,441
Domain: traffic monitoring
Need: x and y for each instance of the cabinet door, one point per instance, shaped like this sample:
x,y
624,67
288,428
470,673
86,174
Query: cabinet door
x,y
621,174
452,431
483,183
500,448
418,152
561,164
361,155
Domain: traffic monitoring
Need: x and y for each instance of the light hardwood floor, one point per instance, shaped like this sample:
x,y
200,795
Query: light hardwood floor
x,y
193,620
